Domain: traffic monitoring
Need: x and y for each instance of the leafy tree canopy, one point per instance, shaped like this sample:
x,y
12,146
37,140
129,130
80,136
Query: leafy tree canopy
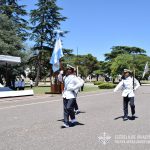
x,y
15,12
10,43
116,50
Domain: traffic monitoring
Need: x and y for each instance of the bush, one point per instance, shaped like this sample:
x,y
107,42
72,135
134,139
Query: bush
x,y
106,85
98,82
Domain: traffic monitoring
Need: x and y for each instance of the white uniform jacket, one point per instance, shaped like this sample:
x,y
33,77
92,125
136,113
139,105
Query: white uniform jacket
x,y
71,86
127,86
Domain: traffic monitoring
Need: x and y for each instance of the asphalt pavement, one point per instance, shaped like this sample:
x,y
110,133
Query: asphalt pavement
x,y
34,123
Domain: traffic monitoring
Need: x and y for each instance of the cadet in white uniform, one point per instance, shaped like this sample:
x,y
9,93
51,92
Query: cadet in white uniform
x,y
71,86
128,84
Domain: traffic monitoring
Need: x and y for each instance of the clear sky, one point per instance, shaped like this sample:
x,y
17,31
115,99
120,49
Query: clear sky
x,y
97,25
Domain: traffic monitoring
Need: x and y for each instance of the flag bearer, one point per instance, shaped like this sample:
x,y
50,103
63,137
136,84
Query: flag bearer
x,y
71,87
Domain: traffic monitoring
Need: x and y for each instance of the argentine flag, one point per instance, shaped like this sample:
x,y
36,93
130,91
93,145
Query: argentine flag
x,y
56,55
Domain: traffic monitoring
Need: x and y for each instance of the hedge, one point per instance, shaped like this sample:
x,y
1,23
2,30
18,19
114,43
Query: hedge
x,y
98,82
106,85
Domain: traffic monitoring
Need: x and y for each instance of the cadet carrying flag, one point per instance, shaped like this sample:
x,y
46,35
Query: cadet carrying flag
x,y
56,55
146,69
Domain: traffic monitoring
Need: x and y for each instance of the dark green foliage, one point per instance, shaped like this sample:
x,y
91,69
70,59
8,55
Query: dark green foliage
x,y
98,82
117,50
15,12
107,85
10,43
45,19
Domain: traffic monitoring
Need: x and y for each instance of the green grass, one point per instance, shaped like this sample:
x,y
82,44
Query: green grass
x,y
90,88
43,89
40,89
145,82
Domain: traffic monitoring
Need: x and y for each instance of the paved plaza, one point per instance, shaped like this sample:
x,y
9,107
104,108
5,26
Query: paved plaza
x,y
33,123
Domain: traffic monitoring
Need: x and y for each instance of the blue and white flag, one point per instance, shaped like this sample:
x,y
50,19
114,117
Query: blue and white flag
x,y
146,69
56,55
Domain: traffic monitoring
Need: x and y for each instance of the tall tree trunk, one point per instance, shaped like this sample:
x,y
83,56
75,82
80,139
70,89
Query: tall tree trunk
x,y
97,76
38,70
37,75
113,80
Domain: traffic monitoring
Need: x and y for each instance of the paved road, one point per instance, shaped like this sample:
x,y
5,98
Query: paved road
x,y
33,123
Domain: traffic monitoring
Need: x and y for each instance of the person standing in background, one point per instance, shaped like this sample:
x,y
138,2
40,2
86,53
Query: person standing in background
x,y
31,83
16,84
22,84
19,83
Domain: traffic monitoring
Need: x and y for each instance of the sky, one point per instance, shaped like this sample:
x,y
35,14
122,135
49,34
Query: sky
x,y
95,26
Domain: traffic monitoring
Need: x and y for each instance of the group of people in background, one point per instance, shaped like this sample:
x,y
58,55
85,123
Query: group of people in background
x,y
19,84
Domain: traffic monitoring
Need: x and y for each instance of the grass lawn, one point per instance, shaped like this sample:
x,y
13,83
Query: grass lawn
x,y
145,82
90,88
43,89
40,89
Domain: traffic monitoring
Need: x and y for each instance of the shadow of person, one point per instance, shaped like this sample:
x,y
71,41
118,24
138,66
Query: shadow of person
x,y
79,112
72,125
120,117
128,118
62,120
76,124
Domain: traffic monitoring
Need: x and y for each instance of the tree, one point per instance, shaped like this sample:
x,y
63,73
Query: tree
x,y
120,62
97,73
133,62
116,50
68,58
45,19
87,64
122,57
15,12
10,43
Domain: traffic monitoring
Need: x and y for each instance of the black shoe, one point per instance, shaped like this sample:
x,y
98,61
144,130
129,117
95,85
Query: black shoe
x,y
77,112
64,126
125,118
133,117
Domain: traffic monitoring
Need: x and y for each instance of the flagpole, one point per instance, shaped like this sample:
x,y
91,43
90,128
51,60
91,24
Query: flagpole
x,y
77,63
55,60
133,77
133,70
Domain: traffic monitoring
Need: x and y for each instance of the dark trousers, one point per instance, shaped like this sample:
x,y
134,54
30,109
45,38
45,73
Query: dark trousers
x,y
126,100
82,87
68,109
76,105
